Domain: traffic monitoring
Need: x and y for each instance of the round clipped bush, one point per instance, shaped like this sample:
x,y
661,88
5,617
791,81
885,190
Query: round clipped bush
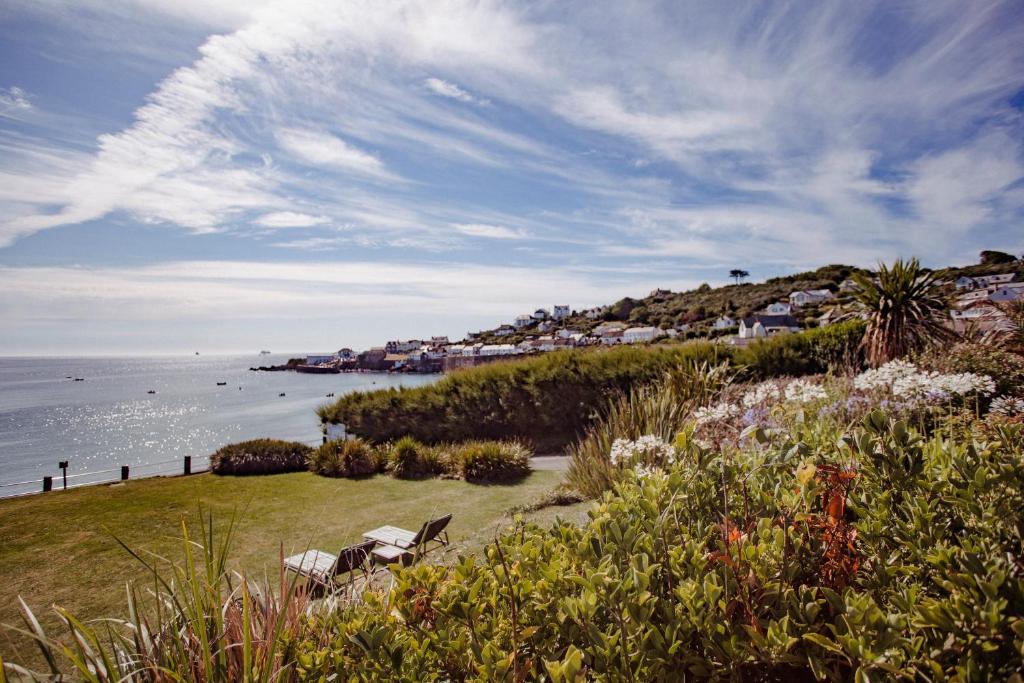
x,y
344,458
409,459
492,462
261,456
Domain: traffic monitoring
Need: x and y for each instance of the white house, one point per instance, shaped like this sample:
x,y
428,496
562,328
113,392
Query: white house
x,y
504,331
1012,291
439,341
558,312
971,297
604,328
320,360
764,325
498,350
545,326
723,323
541,314
566,333
612,337
522,321
636,335
964,282
594,313
809,296
778,308
402,346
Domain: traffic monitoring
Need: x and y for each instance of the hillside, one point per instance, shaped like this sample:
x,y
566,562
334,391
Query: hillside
x,y
696,309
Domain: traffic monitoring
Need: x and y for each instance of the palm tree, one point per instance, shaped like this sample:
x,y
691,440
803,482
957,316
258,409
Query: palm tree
x,y
904,309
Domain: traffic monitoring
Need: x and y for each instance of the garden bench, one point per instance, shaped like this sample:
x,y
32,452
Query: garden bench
x,y
324,568
400,545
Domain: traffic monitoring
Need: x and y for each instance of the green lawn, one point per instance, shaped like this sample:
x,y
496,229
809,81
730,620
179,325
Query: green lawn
x,y
59,548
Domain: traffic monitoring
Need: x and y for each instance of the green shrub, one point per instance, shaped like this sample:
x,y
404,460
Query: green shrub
x,y
344,458
805,353
490,462
261,456
409,459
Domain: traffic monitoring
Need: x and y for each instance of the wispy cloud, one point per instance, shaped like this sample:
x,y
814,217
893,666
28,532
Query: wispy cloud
x,y
323,149
444,88
493,231
14,101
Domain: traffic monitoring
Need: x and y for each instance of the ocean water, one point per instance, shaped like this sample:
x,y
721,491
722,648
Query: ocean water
x,y
109,420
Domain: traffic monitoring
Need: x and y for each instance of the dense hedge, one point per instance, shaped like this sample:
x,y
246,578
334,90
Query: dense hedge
x,y
548,401
261,456
490,462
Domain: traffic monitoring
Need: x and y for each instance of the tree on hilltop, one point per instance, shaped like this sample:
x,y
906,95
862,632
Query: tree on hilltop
x,y
738,274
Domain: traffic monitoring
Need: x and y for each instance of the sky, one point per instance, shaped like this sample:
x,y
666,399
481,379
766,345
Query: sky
x,y
180,175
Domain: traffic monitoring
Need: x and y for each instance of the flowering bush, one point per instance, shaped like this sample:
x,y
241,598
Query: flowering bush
x,y
1007,406
261,456
905,380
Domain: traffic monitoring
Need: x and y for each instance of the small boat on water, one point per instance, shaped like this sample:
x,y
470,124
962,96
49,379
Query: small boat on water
x,y
222,384
264,353
79,379
281,394
151,391
330,395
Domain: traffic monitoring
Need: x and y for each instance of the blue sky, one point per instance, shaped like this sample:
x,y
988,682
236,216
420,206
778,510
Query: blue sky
x,y
304,175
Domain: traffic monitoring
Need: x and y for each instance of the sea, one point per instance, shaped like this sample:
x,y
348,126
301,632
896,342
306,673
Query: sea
x,y
109,419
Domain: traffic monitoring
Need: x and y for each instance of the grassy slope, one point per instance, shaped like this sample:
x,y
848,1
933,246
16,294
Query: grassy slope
x,y
59,549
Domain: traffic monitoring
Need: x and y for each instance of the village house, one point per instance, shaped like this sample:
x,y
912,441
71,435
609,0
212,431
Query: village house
x,y
983,281
402,346
778,308
594,313
637,335
604,328
612,337
979,317
723,323
439,341
1012,291
541,314
828,317
498,350
757,325
809,296
559,312
346,354
545,326
965,282
321,360
504,331
566,333
971,297
522,321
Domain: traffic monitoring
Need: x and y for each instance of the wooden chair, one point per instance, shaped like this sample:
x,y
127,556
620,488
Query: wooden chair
x,y
401,545
323,569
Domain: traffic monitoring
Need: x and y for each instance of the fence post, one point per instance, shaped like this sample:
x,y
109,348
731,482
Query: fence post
x,y
124,472
188,465
63,465
47,484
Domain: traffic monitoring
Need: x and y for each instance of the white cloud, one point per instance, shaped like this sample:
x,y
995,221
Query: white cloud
x,y
290,219
445,88
324,149
14,101
493,231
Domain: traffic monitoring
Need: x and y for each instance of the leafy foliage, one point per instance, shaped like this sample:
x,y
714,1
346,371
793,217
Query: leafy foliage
x,y
261,456
409,459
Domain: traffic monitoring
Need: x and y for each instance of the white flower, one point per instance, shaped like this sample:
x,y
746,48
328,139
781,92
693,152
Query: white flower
x,y
761,394
803,391
647,447
644,471
905,380
1007,405
715,413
